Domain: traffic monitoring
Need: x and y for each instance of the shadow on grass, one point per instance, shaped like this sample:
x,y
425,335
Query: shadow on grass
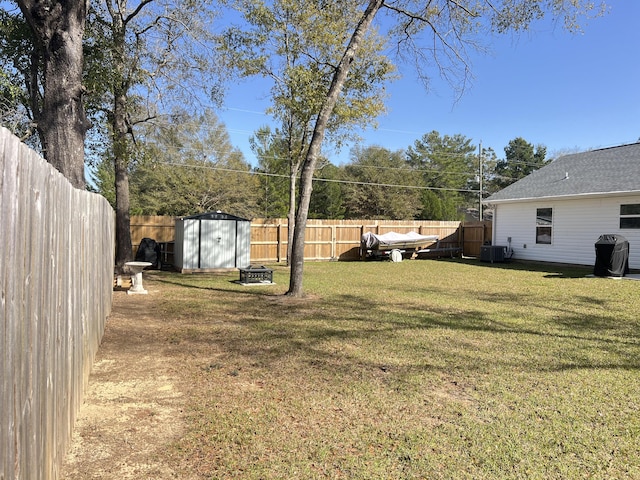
x,y
348,333
553,270
234,287
355,334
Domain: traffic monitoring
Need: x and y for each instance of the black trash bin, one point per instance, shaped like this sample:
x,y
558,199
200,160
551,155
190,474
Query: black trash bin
x,y
612,256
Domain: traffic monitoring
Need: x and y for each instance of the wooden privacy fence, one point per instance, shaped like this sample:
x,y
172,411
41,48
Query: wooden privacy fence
x,y
56,280
337,239
324,239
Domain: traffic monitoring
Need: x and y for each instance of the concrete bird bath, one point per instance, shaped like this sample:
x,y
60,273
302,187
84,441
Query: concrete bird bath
x,y
136,277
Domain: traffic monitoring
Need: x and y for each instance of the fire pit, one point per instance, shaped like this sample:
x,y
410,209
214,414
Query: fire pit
x,y
256,274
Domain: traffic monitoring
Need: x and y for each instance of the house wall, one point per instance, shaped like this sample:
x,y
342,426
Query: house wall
x,y
577,225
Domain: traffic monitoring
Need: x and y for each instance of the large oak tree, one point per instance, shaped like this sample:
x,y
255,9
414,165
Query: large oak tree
x,y
58,29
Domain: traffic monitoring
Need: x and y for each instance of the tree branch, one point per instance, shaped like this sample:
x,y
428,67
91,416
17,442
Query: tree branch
x,y
136,11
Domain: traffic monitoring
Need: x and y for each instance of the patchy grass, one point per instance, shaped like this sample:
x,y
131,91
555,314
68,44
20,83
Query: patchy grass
x,y
419,369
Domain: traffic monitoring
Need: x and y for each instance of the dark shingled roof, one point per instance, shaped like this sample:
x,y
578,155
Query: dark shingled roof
x,y
597,172
215,216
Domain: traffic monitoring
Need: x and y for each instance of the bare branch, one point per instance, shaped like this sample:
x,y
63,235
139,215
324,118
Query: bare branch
x,y
136,11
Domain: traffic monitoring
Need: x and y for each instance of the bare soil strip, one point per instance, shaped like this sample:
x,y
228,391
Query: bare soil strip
x,y
133,404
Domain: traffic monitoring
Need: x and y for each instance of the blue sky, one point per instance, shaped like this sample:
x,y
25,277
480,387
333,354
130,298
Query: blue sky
x,y
569,92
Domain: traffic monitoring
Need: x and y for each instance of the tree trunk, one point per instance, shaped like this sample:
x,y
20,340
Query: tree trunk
x,y
124,251
309,165
121,151
291,215
58,28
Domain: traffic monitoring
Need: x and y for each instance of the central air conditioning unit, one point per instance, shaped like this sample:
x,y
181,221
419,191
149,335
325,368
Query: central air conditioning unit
x,y
493,253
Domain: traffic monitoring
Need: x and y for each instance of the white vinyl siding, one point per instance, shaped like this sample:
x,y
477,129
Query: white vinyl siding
x,y
577,225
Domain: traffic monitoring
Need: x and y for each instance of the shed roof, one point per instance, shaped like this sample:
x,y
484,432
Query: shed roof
x,y
215,216
607,171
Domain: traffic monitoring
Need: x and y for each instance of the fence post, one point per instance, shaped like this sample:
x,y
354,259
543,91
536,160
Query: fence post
x,y
333,241
279,242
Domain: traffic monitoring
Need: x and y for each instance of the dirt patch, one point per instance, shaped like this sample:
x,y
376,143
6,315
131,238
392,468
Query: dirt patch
x,y
133,407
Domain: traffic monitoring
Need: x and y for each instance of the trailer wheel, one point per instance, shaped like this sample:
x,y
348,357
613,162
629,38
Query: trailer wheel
x,y
395,255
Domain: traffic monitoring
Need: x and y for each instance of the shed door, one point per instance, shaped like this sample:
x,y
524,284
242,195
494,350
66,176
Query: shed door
x,y
243,245
189,244
178,249
217,244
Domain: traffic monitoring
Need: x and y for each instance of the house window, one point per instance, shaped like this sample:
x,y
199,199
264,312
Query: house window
x,y
630,215
544,225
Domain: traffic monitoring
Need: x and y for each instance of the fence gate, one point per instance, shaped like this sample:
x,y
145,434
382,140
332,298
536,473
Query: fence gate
x,y
474,235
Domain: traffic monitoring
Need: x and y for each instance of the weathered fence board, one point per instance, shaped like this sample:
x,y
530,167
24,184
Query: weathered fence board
x,y
56,273
325,239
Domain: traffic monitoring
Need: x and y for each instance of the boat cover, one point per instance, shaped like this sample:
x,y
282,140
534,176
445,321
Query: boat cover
x,y
386,241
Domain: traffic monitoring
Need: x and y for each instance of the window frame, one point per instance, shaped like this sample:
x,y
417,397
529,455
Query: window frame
x,y
544,225
630,220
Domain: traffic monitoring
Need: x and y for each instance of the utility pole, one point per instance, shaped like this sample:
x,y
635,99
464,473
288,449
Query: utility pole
x,y
480,216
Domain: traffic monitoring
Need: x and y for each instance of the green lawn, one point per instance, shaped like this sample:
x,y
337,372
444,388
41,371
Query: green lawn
x,y
421,369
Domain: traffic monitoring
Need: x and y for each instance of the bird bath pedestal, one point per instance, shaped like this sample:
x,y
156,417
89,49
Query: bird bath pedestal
x,y
136,277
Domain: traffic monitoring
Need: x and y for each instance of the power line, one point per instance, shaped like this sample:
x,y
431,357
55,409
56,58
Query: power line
x,y
204,129
221,128
318,179
222,152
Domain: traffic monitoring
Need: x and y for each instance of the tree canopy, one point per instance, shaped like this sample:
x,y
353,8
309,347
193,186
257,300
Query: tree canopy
x,y
142,56
448,166
379,185
293,43
274,169
186,165
521,158
18,77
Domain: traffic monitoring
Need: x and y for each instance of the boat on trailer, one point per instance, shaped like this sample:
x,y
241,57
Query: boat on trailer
x,y
393,245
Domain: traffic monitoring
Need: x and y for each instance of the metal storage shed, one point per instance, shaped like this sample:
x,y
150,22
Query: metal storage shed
x,y
212,241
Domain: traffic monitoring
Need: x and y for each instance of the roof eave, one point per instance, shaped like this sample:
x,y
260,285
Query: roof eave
x,y
574,196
